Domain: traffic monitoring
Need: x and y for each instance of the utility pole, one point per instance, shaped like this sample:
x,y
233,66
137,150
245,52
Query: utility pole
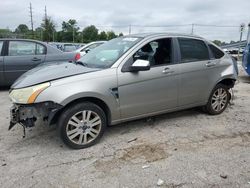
x,y
45,12
129,29
45,24
31,20
192,31
242,27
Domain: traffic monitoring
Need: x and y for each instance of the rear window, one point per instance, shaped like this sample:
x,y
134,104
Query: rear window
x,y
216,51
193,50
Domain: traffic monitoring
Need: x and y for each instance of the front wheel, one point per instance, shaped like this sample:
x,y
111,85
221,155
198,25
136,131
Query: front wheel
x,y
218,100
82,125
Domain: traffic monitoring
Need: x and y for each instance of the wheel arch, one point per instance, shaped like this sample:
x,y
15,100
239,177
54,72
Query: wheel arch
x,y
99,102
229,82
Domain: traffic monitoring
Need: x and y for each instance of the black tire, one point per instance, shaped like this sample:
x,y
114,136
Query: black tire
x,y
209,106
71,111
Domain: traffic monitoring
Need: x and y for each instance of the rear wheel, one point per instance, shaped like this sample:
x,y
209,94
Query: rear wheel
x,y
218,100
82,125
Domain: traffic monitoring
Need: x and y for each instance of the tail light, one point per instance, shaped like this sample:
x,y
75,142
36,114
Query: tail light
x,y
77,56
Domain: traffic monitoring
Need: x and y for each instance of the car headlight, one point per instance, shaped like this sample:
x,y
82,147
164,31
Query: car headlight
x,y
27,95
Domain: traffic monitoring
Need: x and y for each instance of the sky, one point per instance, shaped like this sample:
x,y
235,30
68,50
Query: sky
x,y
142,15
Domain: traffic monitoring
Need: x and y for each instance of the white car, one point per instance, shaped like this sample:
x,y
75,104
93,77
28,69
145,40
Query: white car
x,y
85,49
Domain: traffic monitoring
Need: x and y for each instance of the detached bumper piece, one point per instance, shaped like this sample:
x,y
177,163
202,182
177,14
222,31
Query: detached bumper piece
x,y
29,115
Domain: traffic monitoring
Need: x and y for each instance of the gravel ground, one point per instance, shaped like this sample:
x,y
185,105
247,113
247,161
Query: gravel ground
x,y
184,149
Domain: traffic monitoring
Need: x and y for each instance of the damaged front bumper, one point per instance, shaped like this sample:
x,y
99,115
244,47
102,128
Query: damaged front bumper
x,y
28,115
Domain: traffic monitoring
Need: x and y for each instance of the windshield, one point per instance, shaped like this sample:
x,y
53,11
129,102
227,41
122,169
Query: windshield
x,y
105,55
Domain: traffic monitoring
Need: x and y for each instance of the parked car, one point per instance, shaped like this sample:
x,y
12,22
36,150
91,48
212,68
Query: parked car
x,y
86,48
246,59
19,55
127,78
69,47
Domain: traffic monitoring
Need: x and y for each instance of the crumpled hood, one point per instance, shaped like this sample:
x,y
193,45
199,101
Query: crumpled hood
x,y
48,72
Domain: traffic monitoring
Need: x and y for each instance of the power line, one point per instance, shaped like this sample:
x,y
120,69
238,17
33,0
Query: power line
x,y
204,25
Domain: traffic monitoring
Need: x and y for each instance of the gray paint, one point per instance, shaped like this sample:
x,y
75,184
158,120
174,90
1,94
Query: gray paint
x,y
48,72
11,67
144,93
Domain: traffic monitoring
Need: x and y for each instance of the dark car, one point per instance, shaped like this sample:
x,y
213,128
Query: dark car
x,y
20,55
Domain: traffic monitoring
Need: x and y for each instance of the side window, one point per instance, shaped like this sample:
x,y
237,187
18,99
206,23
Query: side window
x,y
193,50
1,46
93,46
17,48
216,52
20,48
158,52
40,49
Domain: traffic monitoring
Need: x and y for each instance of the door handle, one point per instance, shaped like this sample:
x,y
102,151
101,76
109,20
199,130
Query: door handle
x,y
167,71
36,59
210,64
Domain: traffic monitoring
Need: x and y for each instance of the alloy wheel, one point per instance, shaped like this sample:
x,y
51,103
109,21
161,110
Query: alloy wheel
x,y
83,127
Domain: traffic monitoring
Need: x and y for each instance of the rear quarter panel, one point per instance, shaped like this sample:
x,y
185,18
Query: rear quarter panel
x,y
223,70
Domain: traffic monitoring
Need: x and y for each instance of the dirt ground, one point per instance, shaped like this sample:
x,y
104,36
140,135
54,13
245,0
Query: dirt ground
x,y
184,149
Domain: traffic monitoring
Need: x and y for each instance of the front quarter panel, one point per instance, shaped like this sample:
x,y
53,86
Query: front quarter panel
x,y
96,84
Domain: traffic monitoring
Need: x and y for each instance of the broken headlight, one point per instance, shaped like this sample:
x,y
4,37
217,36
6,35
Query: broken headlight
x,y
27,95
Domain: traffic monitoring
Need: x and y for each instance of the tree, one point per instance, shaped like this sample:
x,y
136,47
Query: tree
x,y
90,33
70,30
39,33
48,27
121,34
111,35
5,33
103,36
217,42
22,28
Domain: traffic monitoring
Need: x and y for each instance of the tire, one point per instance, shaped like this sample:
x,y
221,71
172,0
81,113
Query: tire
x,y
82,125
220,96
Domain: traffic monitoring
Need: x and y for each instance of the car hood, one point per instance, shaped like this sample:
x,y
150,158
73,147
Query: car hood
x,y
49,72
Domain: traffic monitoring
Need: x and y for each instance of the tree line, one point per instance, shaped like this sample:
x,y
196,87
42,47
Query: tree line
x,y
70,32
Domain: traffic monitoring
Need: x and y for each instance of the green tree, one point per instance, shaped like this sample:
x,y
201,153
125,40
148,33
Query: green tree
x,y
48,27
70,30
121,34
38,33
217,42
22,28
111,35
103,36
89,34
5,33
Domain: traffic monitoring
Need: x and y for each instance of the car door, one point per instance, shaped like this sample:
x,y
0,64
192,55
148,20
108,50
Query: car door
x,y
21,57
152,91
195,68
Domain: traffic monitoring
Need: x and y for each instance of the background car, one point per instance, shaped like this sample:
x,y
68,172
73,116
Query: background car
x,y
85,49
246,59
20,55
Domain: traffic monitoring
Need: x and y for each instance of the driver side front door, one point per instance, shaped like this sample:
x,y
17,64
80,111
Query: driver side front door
x,y
149,92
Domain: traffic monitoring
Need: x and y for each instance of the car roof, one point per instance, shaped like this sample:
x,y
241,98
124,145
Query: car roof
x,y
28,40
149,35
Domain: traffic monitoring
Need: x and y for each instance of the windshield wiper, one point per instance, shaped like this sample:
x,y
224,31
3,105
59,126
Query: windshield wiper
x,y
81,63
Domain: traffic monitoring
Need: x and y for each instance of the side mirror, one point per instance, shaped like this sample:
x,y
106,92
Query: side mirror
x,y
87,50
139,65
